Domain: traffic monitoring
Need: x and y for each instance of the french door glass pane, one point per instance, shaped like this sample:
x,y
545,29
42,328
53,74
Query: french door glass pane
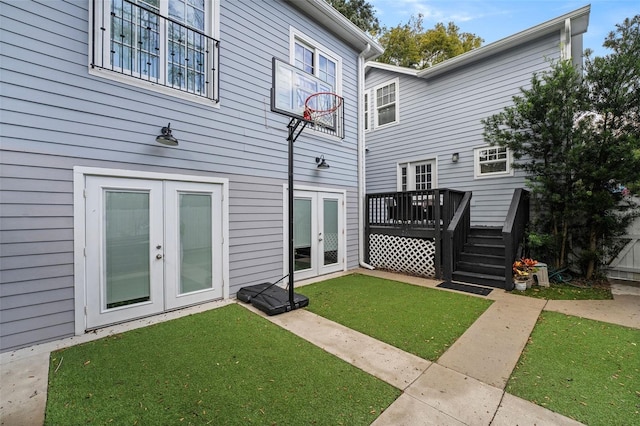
x,y
330,223
302,234
196,252
127,263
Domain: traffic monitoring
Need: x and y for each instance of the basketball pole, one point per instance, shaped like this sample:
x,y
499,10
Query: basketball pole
x,y
294,132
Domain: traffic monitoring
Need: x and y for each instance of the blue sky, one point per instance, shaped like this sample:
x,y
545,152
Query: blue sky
x,y
496,19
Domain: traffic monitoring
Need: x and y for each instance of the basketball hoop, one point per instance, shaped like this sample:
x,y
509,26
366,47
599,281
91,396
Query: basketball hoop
x,y
320,108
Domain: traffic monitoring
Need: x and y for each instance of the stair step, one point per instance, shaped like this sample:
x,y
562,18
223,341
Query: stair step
x,y
491,259
492,249
481,268
485,239
486,230
482,279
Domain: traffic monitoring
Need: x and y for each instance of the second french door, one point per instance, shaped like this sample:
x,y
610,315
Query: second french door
x,y
318,233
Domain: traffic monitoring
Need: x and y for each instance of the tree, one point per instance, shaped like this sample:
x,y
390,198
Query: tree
x,y
578,140
360,13
410,45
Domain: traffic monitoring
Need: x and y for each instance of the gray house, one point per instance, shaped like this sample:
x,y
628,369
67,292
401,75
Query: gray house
x,y
425,148
102,224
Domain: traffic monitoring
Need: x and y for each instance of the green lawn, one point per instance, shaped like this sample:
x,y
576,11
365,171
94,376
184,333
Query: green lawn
x,y
587,370
567,292
226,366
419,320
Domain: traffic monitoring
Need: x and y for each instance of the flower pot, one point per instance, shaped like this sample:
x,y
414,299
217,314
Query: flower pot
x,y
521,285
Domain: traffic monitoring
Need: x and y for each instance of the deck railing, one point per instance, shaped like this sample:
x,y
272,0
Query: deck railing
x,y
412,214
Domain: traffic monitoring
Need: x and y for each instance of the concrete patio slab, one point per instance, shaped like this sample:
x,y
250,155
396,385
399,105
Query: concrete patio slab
x,y
622,310
490,348
23,390
410,411
461,397
379,359
517,411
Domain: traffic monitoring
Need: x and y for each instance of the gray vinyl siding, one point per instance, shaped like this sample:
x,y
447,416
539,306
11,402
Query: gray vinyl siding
x,y
440,116
55,116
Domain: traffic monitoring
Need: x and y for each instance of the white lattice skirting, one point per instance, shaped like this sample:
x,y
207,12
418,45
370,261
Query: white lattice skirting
x,y
409,255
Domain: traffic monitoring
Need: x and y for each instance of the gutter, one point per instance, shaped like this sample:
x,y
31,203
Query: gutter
x,y
361,158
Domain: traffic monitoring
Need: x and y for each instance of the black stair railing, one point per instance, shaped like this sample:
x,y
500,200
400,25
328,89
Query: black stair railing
x,y
513,231
456,235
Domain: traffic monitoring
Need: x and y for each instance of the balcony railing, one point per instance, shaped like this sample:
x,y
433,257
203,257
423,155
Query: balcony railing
x,y
134,40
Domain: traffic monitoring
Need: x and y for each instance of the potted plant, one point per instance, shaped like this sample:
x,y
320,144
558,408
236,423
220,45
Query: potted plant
x,y
522,272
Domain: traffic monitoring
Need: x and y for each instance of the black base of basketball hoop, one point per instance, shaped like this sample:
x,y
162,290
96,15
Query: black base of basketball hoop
x,y
271,299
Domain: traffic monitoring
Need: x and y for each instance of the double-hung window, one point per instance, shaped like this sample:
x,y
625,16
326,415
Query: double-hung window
x,y
386,103
492,161
313,58
164,45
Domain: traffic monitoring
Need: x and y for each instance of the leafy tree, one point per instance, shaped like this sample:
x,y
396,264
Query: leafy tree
x,y
360,12
578,139
410,45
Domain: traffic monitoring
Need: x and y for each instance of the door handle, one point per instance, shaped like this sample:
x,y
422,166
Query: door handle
x,y
158,256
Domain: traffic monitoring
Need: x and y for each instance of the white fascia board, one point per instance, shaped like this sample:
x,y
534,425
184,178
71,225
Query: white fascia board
x,y
579,23
323,13
393,68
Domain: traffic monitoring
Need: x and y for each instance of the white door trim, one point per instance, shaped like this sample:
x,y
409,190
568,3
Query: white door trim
x,y
79,223
285,228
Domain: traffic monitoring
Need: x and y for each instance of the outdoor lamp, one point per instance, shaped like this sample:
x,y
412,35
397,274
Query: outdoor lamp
x,y
321,163
455,157
166,138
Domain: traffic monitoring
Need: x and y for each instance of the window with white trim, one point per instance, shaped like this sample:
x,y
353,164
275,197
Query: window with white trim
x,y
313,58
366,111
386,103
163,45
416,175
492,161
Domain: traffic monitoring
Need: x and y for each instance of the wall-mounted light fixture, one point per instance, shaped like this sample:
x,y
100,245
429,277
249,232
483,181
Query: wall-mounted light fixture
x,y
166,138
322,164
455,157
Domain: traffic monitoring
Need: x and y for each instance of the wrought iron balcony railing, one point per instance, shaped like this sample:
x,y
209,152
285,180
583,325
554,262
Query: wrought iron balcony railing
x,y
135,40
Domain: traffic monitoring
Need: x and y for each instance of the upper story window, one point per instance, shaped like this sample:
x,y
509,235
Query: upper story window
x,y
386,103
366,111
313,58
416,175
164,45
492,161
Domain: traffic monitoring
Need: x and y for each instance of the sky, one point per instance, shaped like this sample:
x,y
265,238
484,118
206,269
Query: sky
x,y
493,20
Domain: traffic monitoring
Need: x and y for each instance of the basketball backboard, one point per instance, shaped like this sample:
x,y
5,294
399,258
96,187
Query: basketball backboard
x,y
290,88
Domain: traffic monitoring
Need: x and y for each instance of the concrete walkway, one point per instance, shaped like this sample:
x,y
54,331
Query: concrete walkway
x,y
465,386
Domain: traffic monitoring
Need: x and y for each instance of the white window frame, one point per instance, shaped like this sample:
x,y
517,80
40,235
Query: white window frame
x,y
366,102
212,9
411,173
296,35
376,107
476,162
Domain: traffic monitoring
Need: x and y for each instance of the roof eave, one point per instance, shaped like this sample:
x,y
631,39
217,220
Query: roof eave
x,y
579,23
325,14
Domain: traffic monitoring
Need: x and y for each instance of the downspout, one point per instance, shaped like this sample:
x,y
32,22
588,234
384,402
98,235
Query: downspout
x,y
361,159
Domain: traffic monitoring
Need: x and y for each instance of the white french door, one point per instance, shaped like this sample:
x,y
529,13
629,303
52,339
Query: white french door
x,y
151,246
318,235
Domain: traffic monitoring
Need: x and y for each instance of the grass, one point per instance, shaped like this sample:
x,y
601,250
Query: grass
x,y
419,320
226,366
587,370
568,292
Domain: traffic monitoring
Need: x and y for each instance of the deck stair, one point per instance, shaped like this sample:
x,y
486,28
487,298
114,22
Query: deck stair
x,y
482,260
